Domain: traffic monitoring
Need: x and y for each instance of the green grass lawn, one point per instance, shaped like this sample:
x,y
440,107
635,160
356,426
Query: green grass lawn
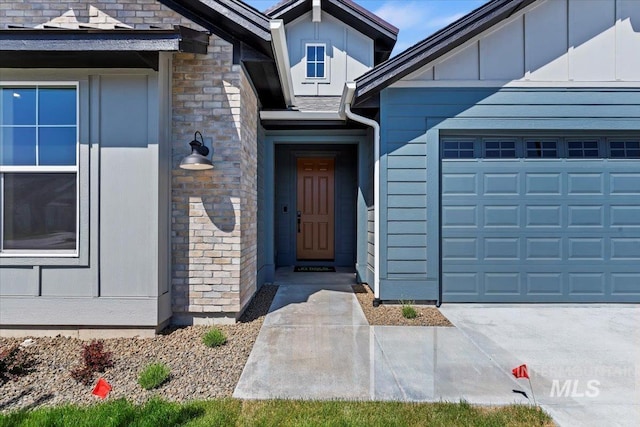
x,y
231,412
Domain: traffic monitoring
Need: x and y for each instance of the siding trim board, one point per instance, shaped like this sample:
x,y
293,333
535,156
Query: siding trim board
x,y
412,116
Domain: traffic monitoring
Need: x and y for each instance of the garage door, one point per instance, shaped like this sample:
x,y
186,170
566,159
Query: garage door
x,y
540,219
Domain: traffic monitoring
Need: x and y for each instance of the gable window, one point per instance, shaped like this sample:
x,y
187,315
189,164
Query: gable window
x,y
38,170
316,60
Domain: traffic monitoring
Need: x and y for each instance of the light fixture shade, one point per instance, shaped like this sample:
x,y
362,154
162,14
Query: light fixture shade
x,y
197,160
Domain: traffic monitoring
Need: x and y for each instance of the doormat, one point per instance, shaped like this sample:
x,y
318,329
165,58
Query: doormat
x,y
314,269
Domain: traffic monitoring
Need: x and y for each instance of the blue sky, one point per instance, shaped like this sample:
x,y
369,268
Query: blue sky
x,y
416,19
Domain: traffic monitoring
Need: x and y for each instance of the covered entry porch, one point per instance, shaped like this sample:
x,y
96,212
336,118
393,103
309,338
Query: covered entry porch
x,y
315,191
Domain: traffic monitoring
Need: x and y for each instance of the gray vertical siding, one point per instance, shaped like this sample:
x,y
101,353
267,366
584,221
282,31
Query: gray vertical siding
x,y
124,196
412,122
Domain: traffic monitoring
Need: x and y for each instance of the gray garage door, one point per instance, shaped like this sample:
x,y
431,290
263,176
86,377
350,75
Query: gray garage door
x,y
540,220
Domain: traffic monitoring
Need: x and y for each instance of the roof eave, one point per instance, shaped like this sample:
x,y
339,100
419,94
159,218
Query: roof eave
x,y
231,20
69,40
435,46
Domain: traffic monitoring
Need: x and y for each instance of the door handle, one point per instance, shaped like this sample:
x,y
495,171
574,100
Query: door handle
x,y
299,219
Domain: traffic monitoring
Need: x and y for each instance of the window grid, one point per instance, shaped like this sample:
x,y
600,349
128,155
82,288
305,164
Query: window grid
x,y
499,149
37,168
549,147
37,126
316,64
541,149
457,150
624,149
582,149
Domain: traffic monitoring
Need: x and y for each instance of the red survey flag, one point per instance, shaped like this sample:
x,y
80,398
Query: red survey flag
x,y
102,388
520,372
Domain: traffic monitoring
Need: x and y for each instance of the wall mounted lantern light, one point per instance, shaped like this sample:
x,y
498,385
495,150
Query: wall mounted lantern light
x,y
197,160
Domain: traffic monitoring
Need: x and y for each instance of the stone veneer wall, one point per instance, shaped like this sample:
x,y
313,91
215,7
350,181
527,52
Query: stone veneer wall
x,y
214,213
136,13
249,186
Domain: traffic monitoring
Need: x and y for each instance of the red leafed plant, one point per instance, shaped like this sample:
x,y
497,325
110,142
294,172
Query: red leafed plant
x,y
14,362
94,359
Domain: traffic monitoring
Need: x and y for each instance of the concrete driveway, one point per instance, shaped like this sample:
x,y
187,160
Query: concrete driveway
x,y
584,360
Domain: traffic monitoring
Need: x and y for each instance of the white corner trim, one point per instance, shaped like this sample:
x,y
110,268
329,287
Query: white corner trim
x,y
281,52
300,115
316,14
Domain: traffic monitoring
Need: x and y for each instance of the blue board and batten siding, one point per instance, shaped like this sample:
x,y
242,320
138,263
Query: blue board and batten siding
x,y
414,121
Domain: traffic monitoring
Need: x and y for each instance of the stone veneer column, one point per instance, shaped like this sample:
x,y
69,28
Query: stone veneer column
x,y
214,212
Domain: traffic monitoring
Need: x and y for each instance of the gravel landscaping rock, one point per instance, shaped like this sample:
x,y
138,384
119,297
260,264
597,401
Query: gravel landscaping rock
x,y
197,372
391,314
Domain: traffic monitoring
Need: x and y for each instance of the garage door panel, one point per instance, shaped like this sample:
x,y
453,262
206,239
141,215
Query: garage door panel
x,y
460,216
544,231
543,248
460,183
501,183
502,248
625,283
543,216
501,216
502,283
586,248
585,216
625,249
586,283
625,216
460,248
544,283
625,184
585,183
461,283
548,184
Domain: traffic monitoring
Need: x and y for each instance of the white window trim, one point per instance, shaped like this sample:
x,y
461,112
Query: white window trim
x,y
30,253
327,62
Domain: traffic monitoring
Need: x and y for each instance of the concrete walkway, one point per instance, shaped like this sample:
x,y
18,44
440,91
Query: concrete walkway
x,y
316,344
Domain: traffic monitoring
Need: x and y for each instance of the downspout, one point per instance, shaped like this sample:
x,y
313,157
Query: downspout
x,y
345,110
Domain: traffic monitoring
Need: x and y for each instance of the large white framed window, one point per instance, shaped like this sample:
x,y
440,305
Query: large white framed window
x,y
316,62
39,184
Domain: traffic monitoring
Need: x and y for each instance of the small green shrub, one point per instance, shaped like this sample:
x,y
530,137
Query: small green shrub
x,y
14,362
408,312
94,359
214,338
153,376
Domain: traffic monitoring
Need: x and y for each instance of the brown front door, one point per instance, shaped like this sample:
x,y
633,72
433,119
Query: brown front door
x,y
315,208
